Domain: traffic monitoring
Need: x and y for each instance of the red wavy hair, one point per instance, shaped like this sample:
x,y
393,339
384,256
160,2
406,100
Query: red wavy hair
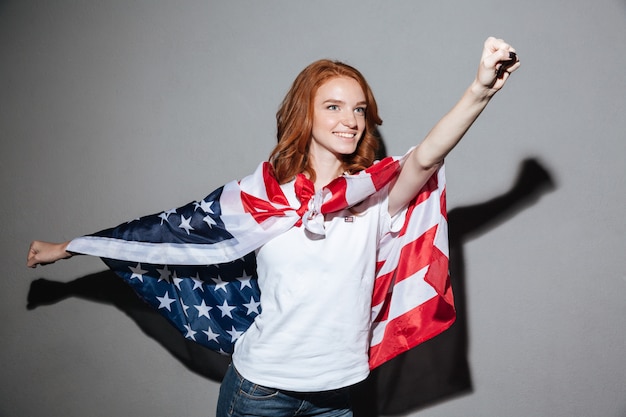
x,y
294,121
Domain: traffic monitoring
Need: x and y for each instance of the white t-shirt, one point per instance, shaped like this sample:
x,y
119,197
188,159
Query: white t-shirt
x,y
314,329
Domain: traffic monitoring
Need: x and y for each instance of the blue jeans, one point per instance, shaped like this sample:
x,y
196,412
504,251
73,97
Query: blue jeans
x,y
242,398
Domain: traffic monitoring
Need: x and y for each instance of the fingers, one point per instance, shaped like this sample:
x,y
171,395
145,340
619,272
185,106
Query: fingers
x,y
493,45
497,51
499,60
34,252
31,259
43,253
507,65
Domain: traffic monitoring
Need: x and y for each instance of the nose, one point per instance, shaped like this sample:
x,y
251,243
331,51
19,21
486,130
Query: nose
x,y
350,120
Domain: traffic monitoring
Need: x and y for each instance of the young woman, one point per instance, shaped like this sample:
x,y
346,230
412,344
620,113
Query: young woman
x,y
316,275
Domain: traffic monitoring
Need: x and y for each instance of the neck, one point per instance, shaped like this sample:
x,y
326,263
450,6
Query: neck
x,y
326,171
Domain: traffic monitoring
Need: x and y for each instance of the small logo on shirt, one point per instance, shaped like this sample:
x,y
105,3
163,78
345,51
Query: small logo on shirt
x,y
348,219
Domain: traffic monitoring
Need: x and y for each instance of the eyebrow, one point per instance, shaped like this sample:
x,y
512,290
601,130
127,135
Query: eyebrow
x,y
335,101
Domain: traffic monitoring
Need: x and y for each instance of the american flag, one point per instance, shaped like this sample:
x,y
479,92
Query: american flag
x,y
195,264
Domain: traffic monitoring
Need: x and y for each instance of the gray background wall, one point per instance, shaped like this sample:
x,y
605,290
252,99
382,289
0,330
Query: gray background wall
x,y
110,110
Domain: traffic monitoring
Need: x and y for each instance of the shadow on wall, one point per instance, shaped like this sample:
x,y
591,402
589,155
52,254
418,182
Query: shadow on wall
x,y
432,372
106,287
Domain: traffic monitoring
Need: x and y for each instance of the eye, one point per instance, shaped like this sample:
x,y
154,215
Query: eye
x,y
360,111
333,107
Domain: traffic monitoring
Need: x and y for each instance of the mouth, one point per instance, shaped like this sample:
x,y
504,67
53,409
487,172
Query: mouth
x,y
345,135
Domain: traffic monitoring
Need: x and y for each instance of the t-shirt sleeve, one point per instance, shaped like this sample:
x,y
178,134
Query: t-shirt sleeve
x,y
388,223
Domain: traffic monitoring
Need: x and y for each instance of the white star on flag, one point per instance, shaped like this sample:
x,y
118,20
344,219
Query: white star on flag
x,y
252,306
164,216
219,284
185,223
197,283
164,274
244,281
209,221
226,309
177,280
209,333
203,310
137,272
166,301
206,207
234,334
191,334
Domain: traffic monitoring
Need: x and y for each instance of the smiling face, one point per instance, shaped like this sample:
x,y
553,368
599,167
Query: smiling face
x,y
338,119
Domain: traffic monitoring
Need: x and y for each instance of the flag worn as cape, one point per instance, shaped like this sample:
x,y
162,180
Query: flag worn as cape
x,y
196,264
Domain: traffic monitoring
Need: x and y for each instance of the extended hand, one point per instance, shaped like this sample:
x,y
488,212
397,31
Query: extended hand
x,y
44,253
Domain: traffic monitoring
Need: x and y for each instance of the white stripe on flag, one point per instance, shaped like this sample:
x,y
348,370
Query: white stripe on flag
x,y
407,294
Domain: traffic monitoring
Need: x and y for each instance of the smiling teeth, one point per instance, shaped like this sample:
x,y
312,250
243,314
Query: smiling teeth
x,y
345,135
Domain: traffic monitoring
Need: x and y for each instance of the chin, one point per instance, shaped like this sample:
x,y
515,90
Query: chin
x,y
347,151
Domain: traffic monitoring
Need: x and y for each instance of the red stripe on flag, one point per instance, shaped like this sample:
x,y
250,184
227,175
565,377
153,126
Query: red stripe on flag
x,y
412,328
381,286
383,171
442,204
258,208
417,254
379,174
337,200
262,208
424,194
413,257
436,276
273,190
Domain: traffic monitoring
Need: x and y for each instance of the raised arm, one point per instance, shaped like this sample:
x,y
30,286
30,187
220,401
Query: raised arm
x,y
497,63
